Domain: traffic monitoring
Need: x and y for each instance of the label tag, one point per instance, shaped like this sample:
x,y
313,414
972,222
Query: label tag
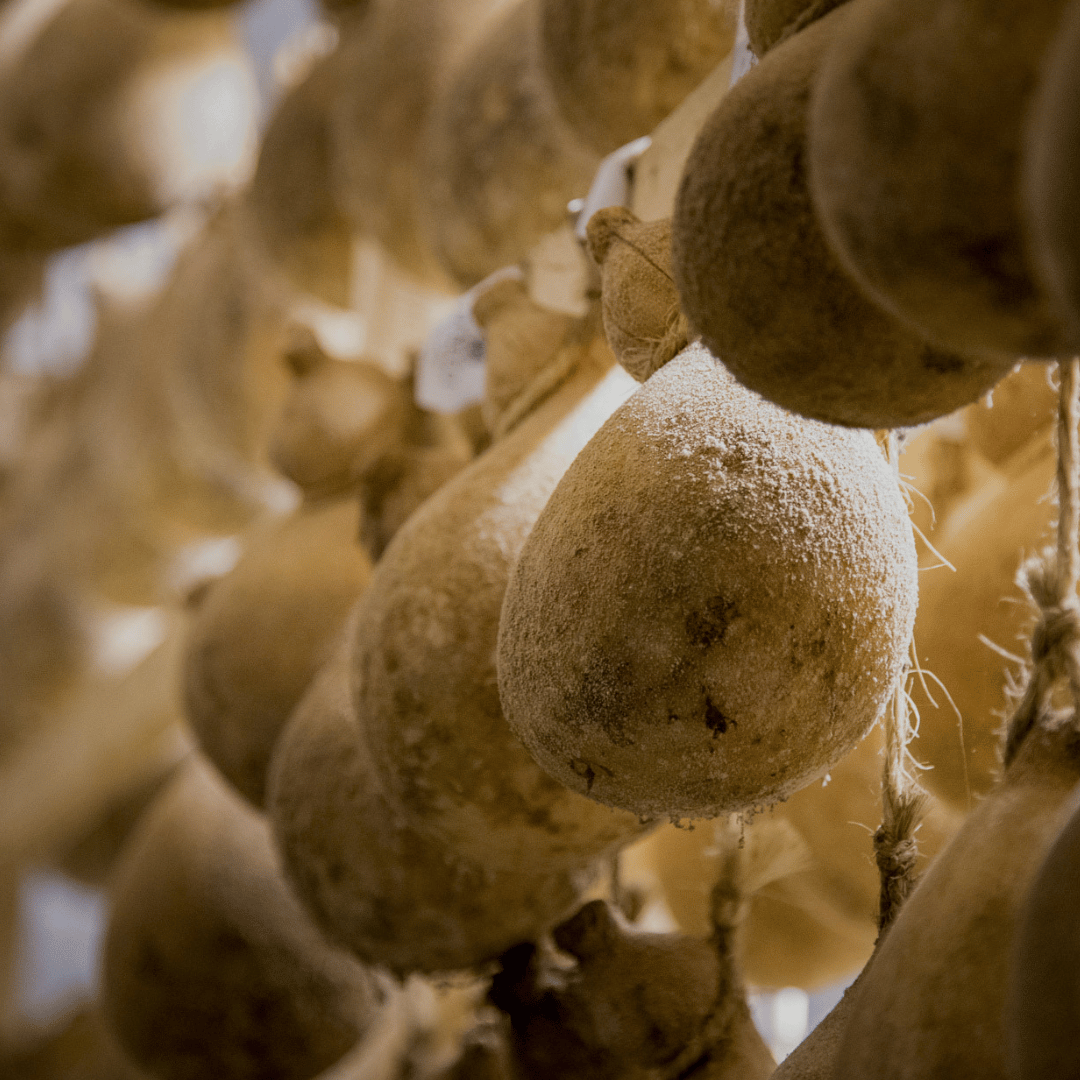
x,y
451,365
743,58
611,185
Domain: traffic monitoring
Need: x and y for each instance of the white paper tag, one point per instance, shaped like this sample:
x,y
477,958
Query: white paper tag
x,y
611,184
451,366
743,58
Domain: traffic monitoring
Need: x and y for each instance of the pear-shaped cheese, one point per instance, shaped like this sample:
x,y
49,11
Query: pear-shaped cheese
x,y
521,338
292,209
917,131
932,1003
264,630
635,1004
104,122
372,871
342,421
427,698
211,966
618,67
396,61
160,438
499,161
1051,167
713,607
1044,985
758,281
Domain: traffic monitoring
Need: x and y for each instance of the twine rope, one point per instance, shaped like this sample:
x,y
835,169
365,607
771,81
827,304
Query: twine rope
x,y
1051,579
895,846
818,9
729,904
676,335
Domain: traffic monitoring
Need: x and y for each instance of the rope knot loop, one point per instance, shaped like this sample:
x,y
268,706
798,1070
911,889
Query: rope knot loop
x,y
1056,637
1051,582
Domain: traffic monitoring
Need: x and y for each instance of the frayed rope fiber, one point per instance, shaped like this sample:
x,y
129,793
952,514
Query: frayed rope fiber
x,y
896,850
1050,580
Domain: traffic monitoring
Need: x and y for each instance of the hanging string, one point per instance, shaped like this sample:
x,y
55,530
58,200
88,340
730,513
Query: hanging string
x,y
817,9
1068,475
895,847
1051,579
729,904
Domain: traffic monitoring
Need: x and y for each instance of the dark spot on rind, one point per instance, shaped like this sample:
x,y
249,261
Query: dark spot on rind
x,y
715,720
706,628
587,772
997,261
942,363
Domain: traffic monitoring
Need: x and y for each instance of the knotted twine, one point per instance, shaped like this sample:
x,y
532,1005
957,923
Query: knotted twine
x,y
895,846
729,904
1050,580
817,9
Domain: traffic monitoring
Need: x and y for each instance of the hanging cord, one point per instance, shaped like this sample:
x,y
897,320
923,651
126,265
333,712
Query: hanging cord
x,y
676,333
817,9
729,906
895,846
1050,580
729,901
